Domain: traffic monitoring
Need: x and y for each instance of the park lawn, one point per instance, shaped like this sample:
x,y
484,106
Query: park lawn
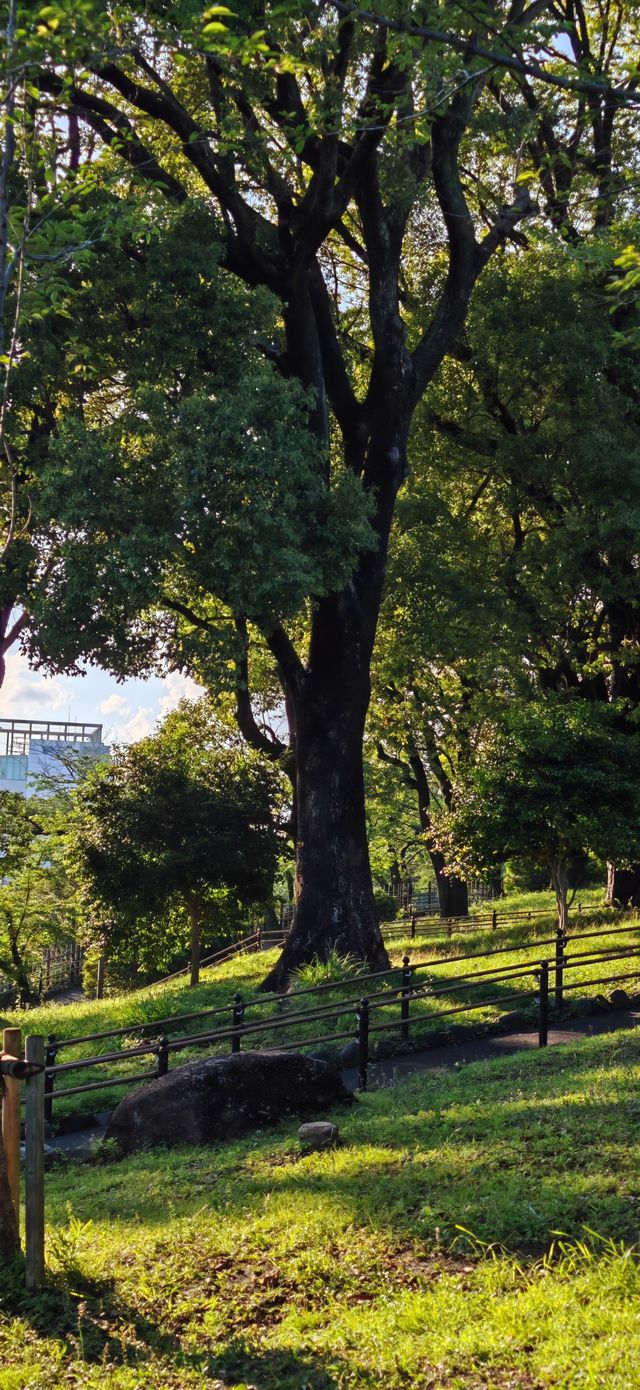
x,y
422,1252
526,940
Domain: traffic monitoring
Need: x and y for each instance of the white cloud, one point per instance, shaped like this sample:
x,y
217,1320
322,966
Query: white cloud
x,y
140,724
28,694
178,687
115,704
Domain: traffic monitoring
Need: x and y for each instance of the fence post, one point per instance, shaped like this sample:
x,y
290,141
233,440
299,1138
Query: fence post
x,y
494,920
12,1045
49,1081
407,976
259,939
413,924
561,942
163,1055
34,1167
543,1019
237,1018
363,1043
100,979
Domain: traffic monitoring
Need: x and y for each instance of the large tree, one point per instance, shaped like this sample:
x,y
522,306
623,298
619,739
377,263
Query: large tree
x,y
323,145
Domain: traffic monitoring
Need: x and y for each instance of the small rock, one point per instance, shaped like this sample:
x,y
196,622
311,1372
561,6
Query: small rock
x,y
619,999
318,1134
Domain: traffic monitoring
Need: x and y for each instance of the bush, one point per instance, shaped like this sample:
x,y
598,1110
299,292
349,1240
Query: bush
x,y
386,906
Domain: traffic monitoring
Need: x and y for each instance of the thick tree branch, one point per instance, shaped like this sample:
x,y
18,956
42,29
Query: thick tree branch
x,y
528,67
115,130
271,746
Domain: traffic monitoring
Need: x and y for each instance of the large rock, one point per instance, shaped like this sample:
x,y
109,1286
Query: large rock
x,y
223,1097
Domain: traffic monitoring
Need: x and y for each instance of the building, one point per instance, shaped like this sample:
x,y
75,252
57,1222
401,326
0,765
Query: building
x,y
32,748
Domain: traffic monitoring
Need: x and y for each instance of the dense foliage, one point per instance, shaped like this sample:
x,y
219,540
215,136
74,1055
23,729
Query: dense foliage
x,y
165,834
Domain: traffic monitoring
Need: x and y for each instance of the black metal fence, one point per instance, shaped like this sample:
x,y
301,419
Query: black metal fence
x,y
549,977
58,967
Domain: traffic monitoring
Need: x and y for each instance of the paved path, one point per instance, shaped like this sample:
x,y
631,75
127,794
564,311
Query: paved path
x,y
457,1054
433,1061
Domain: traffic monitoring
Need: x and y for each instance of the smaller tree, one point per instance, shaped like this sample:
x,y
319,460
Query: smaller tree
x,y
173,820
550,781
37,900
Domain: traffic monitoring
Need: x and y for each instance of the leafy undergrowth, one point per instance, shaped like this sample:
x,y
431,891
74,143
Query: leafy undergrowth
x,y
419,1253
449,957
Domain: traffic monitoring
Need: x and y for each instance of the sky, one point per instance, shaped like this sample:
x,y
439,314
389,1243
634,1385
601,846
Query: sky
x,y
127,710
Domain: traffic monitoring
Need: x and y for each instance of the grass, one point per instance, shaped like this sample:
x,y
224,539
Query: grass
x,y
422,1252
429,1015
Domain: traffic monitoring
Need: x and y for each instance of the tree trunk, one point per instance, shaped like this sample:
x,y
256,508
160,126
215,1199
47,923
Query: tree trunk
x,y
495,883
334,889
623,886
453,894
194,941
9,1238
560,881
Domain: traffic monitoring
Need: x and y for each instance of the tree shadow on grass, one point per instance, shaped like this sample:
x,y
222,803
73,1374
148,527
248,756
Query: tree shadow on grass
x,y
96,1326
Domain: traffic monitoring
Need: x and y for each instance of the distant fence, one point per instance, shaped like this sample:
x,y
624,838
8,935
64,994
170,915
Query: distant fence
x,y
534,980
59,967
410,925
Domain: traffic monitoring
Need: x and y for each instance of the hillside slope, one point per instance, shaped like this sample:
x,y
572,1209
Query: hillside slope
x,y
416,1254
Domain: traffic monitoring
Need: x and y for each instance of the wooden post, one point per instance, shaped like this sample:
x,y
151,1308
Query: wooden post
x,y
34,1167
12,1046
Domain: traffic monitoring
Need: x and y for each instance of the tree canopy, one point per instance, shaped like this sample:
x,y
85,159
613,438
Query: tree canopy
x,y
165,826
350,177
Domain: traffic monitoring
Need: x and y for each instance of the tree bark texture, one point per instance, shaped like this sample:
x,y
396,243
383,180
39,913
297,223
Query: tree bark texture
x,y
560,881
453,893
623,886
334,889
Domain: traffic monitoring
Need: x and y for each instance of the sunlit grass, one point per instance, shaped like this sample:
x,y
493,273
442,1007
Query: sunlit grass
x,y
525,940
422,1252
